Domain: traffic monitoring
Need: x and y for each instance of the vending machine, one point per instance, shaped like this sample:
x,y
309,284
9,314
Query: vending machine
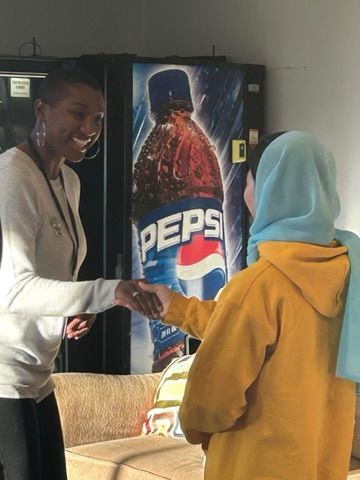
x,y
166,195
19,78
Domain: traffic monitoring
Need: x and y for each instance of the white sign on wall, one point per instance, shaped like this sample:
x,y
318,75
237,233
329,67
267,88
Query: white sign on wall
x,y
20,87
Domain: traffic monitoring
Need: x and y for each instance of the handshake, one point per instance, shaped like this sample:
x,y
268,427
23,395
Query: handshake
x,y
150,300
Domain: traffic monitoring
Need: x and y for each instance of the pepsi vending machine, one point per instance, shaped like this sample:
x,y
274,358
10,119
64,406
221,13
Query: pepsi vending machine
x,y
172,177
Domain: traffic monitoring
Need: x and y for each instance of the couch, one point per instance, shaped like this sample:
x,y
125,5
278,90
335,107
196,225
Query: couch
x,y
102,417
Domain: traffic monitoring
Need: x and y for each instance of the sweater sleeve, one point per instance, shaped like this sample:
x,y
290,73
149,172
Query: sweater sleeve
x,y
190,314
227,362
22,290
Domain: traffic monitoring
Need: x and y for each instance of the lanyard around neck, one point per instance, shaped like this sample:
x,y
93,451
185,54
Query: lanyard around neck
x,y
75,242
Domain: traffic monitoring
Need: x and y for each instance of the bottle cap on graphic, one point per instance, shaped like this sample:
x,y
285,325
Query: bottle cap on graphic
x,y
170,89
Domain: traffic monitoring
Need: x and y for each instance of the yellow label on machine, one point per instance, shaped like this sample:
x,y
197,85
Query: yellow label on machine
x,y
238,151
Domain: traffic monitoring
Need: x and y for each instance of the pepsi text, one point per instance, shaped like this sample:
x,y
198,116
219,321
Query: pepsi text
x,y
178,228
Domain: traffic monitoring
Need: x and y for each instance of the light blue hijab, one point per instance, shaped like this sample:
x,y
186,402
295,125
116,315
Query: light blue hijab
x,y
296,200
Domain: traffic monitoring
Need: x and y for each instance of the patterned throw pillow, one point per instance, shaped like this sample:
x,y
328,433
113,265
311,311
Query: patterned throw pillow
x,y
163,417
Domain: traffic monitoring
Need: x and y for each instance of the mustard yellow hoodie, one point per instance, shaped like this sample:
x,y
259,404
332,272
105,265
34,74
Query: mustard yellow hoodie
x,y
262,396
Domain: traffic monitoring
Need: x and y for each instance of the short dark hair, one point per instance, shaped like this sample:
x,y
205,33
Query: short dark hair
x,y
256,153
52,87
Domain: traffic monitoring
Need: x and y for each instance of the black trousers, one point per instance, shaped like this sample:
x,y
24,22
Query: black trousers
x,y
31,441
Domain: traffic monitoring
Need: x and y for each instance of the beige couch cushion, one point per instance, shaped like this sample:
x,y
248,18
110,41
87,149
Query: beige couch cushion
x,y
99,407
139,458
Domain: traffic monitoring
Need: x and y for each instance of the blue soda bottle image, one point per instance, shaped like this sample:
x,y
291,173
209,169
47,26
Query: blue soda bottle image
x,y
177,206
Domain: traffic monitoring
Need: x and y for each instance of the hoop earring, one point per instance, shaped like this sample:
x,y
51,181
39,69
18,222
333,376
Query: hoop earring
x,y
97,151
41,135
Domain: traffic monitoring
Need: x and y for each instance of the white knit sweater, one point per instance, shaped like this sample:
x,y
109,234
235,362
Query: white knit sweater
x,y
37,289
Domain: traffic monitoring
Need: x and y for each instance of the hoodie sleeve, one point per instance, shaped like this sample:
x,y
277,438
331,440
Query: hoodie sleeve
x,y
190,314
227,363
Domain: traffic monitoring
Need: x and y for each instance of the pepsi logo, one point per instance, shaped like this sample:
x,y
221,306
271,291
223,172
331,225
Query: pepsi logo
x,y
179,228
201,267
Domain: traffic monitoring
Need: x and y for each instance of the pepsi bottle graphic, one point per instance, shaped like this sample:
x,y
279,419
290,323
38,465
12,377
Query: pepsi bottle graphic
x,y
177,206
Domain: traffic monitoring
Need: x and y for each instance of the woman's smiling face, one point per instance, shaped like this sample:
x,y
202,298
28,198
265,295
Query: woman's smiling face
x,y
73,123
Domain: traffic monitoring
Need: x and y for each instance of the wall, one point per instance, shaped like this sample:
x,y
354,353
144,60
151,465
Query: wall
x,y
72,27
309,48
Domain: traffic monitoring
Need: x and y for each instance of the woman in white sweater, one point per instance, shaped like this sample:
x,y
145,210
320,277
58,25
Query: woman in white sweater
x,y
43,246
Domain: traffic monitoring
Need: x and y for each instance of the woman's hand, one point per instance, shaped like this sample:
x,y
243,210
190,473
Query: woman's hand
x,y
129,294
79,325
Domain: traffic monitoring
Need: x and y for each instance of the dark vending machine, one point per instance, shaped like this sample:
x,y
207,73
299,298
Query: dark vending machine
x,y
19,81
163,200
19,77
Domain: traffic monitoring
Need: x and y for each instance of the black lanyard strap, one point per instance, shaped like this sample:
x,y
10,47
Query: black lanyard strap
x,y
75,242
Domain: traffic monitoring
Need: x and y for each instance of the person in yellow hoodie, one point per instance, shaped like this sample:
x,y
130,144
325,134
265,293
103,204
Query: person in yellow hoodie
x,y
271,394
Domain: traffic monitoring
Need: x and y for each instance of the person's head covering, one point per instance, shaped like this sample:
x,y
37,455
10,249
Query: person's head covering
x,y
256,153
296,200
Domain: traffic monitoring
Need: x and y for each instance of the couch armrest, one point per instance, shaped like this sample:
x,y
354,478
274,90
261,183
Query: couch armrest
x,y
97,407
